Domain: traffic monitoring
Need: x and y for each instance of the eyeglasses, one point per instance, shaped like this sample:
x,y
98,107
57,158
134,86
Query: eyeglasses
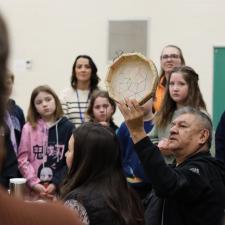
x,y
171,56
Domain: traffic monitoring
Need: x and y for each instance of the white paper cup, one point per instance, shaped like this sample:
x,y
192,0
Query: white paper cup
x,y
17,187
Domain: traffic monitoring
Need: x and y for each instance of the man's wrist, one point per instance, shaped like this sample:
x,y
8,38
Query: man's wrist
x,y
138,135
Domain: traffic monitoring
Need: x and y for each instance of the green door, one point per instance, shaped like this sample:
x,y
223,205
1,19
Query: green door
x,y
218,84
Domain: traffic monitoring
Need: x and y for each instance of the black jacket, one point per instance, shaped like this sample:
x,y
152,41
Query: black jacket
x,y
192,193
220,139
95,210
10,165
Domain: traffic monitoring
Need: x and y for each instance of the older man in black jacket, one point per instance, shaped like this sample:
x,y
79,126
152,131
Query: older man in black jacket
x,y
191,192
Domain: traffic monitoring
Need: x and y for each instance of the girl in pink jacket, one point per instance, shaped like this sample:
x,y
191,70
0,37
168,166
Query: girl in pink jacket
x,y
41,155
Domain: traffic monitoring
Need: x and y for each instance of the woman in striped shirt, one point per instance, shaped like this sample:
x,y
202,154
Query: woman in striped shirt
x,y
84,80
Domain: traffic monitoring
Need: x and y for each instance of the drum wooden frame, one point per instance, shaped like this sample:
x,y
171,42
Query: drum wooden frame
x,y
132,76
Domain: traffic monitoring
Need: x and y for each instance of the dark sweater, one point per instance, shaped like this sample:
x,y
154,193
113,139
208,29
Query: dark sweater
x,y
192,193
95,208
220,139
10,165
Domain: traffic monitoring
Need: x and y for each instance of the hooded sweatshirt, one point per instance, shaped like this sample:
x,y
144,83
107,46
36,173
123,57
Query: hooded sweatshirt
x,y
41,155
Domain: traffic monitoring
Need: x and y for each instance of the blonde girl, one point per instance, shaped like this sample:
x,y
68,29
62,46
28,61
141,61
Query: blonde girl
x,y
44,139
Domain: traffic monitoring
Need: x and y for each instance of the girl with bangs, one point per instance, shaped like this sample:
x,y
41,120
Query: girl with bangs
x,y
41,155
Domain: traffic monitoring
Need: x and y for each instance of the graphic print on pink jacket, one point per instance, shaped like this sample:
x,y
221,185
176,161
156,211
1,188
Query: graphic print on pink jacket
x,y
41,155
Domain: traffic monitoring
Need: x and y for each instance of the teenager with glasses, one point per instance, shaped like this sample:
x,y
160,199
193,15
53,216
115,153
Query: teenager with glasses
x,y
171,57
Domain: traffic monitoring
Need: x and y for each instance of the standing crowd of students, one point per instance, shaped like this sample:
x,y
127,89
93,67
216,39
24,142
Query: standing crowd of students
x,y
69,148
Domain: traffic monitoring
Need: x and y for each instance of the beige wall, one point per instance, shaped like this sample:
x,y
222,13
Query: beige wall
x,y
52,33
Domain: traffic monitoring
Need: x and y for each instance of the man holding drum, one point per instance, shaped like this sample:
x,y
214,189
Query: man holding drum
x,y
193,190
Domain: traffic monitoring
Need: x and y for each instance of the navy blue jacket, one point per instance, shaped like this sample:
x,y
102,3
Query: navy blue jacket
x,y
132,166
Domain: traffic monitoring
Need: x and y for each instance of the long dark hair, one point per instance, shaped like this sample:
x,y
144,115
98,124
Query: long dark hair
x,y
97,167
194,98
94,77
4,52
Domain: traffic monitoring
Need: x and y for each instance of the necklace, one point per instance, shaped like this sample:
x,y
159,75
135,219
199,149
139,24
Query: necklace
x,y
79,106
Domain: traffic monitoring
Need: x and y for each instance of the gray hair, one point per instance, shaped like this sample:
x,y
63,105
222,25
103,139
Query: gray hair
x,y
203,118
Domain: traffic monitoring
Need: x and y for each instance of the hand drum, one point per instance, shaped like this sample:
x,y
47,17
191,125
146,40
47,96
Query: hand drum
x,y
132,76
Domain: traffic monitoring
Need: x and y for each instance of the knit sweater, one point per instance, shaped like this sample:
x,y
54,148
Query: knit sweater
x,y
74,103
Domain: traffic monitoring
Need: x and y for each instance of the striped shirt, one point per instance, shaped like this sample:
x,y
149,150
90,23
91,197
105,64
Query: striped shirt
x,y
74,104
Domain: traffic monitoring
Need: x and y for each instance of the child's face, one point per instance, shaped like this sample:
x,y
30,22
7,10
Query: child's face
x,y
45,105
178,88
102,110
69,154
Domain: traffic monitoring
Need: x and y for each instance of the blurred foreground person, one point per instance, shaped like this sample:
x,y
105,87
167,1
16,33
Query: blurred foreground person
x,y
14,211
192,192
